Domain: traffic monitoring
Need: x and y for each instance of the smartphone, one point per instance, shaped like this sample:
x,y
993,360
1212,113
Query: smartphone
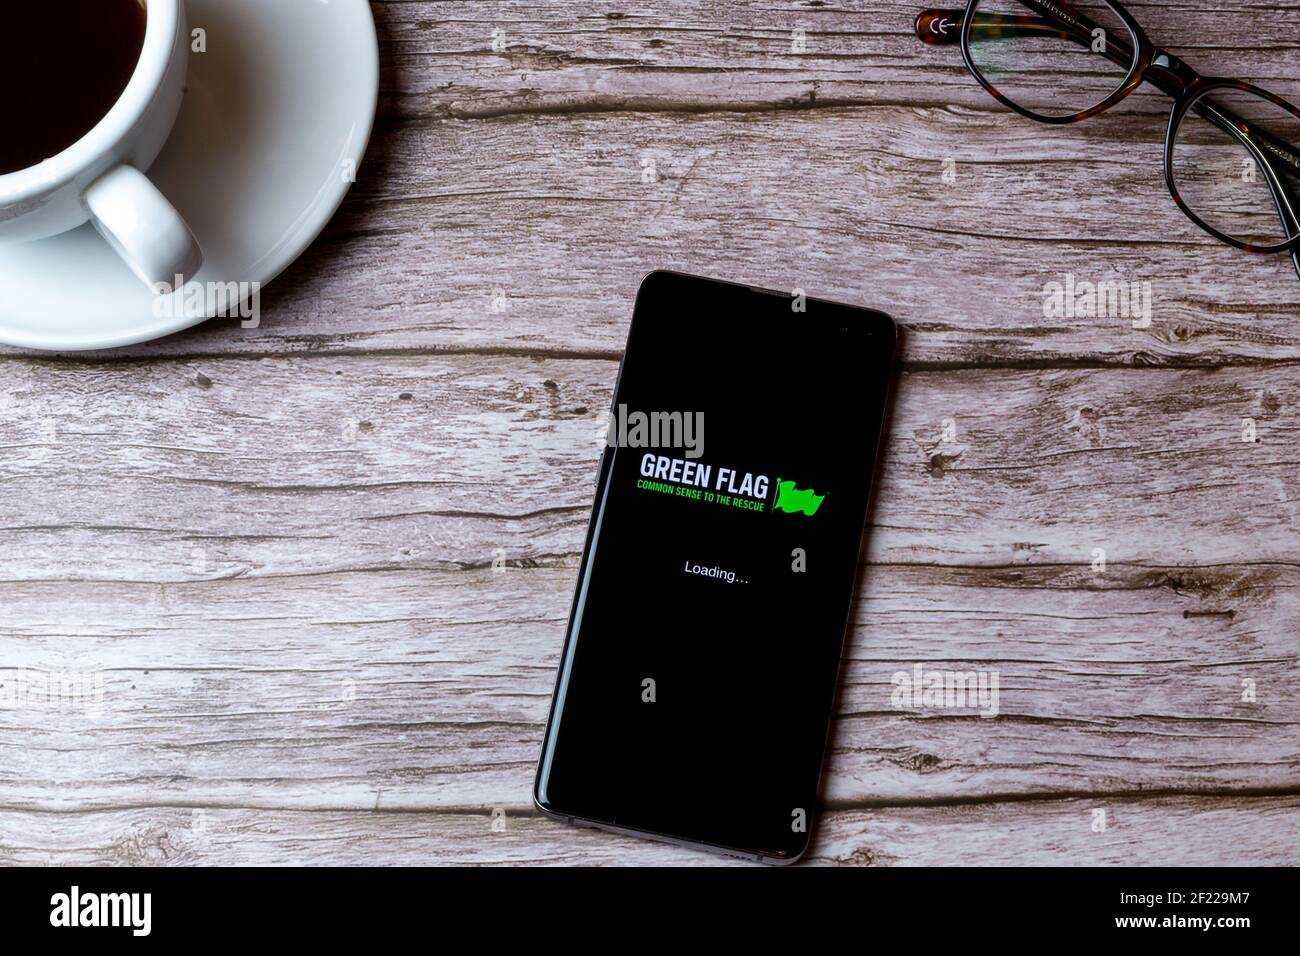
x,y
698,678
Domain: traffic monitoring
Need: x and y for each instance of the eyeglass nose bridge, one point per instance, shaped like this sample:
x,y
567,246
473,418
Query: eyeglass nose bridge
x,y
1171,75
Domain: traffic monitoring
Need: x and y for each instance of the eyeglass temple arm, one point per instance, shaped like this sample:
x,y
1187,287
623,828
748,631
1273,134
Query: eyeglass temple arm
x,y
940,27
944,26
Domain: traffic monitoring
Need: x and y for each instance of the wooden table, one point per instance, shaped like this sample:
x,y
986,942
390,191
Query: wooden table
x,y
301,589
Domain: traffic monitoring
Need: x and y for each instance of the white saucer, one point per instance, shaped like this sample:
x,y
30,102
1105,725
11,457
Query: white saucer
x,y
276,113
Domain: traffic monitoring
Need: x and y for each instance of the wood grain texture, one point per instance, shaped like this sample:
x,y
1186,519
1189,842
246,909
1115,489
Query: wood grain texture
x,y
563,227
417,689
302,465
1234,831
301,589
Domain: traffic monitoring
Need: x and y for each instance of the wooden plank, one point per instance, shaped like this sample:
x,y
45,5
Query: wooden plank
x,y
417,689
738,55
558,227
312,464
1167,831
595,147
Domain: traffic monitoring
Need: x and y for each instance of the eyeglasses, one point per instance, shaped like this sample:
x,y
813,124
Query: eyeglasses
x,y
1232,150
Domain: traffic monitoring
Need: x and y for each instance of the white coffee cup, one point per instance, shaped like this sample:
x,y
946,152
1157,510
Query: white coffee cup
x,y
99,178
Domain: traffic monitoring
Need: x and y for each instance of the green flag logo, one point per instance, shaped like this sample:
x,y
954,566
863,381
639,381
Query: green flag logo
x,y
793,500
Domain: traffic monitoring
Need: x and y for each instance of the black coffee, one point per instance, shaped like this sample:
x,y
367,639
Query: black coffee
x,y
63,64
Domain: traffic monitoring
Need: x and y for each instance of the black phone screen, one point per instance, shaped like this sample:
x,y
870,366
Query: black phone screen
x,y
698,677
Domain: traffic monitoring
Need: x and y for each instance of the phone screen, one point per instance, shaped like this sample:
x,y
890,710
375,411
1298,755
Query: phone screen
x,y
698,678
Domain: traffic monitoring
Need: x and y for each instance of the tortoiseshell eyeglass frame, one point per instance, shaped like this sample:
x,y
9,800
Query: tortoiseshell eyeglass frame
x,y
1145,63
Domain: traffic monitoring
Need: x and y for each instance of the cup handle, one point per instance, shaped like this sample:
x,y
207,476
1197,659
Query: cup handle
x,y
143,228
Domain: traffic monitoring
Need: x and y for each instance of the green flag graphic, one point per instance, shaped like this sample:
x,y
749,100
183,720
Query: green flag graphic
x,y
793,500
